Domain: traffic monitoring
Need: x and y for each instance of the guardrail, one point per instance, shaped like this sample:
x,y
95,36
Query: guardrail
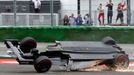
x,y
28,19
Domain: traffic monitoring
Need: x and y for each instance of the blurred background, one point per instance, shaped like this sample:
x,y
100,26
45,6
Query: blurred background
x,y
52,12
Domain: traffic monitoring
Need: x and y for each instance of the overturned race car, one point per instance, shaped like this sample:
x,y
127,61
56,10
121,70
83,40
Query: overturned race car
x,y
72,55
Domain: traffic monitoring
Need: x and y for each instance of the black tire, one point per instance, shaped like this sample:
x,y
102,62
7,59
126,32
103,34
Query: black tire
x,y
121,61
42,64
109,41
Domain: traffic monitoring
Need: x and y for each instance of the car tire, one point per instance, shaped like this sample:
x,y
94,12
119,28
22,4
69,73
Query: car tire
x,y
121,61
42,64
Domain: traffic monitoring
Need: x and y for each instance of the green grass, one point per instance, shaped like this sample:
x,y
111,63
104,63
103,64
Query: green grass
x,y
66,33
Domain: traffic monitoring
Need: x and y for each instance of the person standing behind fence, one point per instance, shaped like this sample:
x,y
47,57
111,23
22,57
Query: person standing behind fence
x,y
37,5
101,14
66,20
72,20
79,20
88,20
121,7
110,11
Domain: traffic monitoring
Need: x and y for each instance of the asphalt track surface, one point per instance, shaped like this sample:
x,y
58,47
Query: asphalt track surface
x,y
15,69
29,70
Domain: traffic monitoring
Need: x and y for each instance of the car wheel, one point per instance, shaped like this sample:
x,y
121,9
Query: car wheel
x,y
42,64
121,61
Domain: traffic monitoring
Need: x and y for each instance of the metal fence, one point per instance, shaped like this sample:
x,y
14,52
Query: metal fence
x,y
44,19
28,19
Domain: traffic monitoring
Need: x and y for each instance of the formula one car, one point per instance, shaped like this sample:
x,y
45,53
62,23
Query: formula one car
x,y
72,55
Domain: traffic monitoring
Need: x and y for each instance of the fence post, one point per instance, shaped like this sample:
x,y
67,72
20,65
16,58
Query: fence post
x,y
78,6
90,8
14,12
95,17
51,7
60,18
128,12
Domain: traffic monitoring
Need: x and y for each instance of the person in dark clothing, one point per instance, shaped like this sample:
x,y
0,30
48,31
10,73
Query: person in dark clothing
x,y
66,20
7,8
120,13
121,7
79,20
110,11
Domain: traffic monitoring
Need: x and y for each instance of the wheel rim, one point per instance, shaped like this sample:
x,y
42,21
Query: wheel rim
x,y
122,62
